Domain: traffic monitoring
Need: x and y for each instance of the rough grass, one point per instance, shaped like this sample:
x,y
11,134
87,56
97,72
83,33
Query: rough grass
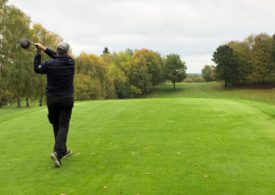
x,y
205,143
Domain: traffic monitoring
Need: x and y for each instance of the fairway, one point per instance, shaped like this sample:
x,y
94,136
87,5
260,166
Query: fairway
x,y
137,97
144,146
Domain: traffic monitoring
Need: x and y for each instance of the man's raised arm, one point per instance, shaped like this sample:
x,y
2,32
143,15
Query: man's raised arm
x,y
48,51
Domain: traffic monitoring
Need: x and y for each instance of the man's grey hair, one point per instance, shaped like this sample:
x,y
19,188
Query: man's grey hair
x,y
62,48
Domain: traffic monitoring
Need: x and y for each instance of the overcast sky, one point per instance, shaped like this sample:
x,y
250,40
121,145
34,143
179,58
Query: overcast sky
x,y
191,28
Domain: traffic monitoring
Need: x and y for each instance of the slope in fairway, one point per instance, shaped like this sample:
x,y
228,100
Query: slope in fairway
x,y
151,146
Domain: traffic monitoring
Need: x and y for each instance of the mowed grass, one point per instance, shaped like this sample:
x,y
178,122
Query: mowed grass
x,y
212,90
192,145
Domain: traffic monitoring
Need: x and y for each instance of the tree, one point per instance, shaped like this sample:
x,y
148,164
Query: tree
x,y
209,73
106,51
129,51
119,72
121,82
175,69
3,70
248,61
15,26
226,65
262,59
153,63
243,55
94,71
273,47
139,77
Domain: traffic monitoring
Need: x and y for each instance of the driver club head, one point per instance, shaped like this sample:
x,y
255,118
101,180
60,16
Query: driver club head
x,y
25,44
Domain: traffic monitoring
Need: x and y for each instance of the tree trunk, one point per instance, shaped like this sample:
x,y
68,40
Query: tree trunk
x,y
27,102
225,84
18,101
174,83
41,100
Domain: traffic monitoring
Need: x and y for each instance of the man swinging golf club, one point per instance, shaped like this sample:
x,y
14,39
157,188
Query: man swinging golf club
x,y
59,92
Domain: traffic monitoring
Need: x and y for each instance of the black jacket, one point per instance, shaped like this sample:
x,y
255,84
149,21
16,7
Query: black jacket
x,y
60,73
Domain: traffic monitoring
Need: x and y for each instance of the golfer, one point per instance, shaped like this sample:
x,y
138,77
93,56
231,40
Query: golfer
x,y
59,92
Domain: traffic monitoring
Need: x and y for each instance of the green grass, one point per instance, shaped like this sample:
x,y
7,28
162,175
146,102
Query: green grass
x,y
198,140
212,90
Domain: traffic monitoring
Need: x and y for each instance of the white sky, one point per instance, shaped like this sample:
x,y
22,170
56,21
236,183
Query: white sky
x,y
191,28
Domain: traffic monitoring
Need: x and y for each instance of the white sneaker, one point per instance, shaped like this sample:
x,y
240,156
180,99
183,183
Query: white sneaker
x,y
56,161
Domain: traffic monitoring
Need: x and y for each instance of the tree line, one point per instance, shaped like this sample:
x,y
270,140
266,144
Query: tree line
x,y
251,61
126,74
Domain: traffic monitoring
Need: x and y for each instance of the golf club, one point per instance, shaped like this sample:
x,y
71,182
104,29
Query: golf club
x,y
25,44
